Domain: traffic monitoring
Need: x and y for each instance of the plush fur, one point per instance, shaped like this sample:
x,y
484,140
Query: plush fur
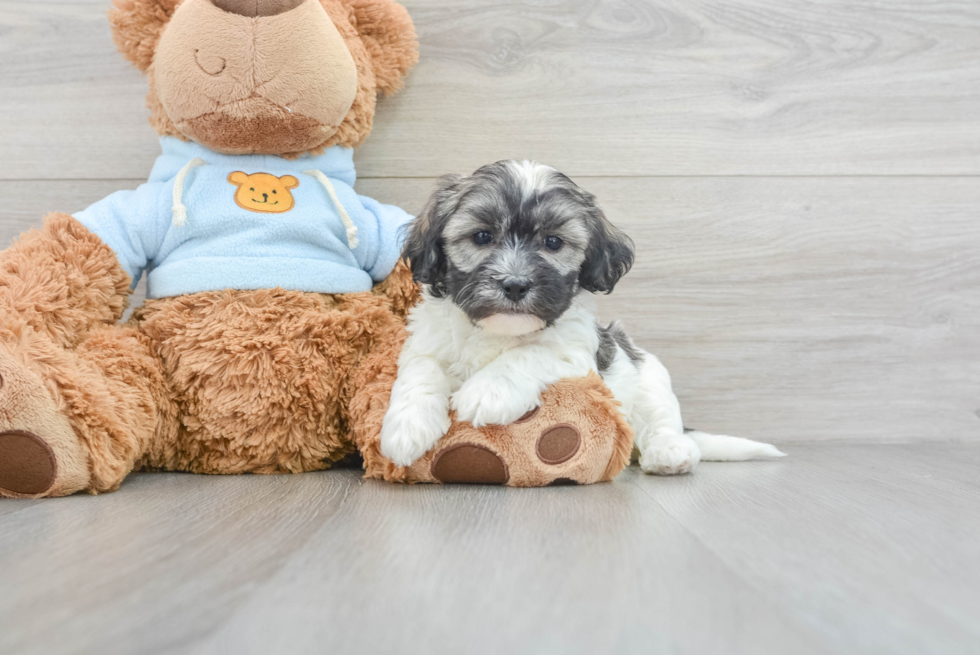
x,y
61,281
260,378
221,382
378,34
244,85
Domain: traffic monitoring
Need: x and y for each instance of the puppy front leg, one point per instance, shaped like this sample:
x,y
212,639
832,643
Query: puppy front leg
x,y
418,413
511,385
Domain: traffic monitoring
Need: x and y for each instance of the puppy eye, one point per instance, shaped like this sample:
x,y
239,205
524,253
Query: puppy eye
x,y
553,243
482,238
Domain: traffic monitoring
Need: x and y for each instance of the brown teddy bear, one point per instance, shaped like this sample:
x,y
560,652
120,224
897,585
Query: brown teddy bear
x,y
276,303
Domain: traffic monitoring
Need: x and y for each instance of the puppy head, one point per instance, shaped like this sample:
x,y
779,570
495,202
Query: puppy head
x,y
513,244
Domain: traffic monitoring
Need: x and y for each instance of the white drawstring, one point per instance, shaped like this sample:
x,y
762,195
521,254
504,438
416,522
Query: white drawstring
x,y
179,211
344,216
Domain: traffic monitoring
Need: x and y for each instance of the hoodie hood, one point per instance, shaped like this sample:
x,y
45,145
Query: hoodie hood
x,y
336,162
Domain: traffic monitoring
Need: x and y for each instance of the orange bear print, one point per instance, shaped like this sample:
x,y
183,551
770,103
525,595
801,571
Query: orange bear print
x,y
264,193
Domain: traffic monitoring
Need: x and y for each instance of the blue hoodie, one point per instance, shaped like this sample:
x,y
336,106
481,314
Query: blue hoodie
x,y
206,222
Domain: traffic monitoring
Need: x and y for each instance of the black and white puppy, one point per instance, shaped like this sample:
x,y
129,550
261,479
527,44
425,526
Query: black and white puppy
x,y
509,258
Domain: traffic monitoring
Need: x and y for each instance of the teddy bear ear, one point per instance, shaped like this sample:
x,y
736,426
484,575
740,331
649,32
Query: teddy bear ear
x,y
137,25
389,37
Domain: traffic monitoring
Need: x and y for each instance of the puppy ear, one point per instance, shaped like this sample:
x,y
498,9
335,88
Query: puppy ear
x,y
424,246
610,252
389,38
137,26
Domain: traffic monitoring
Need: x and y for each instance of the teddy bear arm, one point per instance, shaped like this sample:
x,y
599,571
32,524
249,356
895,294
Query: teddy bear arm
x,y
390,224
134,223
62,281
400,289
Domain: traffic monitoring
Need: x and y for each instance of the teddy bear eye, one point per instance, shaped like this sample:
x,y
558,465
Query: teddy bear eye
x,y
273,191
252,189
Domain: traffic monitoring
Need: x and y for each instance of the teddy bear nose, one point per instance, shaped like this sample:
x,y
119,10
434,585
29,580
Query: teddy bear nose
x,y
256,8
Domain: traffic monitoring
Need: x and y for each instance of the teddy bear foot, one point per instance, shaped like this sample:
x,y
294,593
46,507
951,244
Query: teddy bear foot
x,y
542,451
467,463
27,464
40,455
576,436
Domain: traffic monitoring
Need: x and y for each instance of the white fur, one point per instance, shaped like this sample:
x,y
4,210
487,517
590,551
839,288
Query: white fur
x,y
532,175
512,325
494,379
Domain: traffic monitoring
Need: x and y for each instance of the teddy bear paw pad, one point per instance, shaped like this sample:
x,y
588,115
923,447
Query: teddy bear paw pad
x,y
27,463
558,444
469,464
529,415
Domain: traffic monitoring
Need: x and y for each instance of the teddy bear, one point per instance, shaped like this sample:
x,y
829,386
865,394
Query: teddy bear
x,y
276,298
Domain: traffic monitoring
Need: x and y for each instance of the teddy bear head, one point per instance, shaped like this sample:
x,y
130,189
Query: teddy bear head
x,y
279,77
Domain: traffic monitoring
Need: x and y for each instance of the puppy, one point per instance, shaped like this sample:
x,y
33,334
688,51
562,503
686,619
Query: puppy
x,y
509,258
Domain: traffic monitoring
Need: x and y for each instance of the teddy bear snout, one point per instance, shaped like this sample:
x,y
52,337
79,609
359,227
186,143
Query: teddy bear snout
x,y
270,85
257,8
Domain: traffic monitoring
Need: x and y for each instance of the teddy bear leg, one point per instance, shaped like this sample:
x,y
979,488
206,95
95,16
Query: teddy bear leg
x,y
75,421
40,454
57,284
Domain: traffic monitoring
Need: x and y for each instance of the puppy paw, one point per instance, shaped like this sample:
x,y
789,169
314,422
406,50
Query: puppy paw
x,y
409,432
674,455
484,400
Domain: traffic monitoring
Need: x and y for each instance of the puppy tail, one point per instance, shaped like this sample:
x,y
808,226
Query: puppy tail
x,y
722,448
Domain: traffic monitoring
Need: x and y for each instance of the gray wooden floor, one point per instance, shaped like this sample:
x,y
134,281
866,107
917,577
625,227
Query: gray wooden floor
x,y
802,181
839,548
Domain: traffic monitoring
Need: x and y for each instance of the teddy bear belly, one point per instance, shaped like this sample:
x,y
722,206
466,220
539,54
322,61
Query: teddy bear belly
x,y
260,377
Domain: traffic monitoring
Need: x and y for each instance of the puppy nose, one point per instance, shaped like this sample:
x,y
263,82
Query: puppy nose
x,y
256,8
516,288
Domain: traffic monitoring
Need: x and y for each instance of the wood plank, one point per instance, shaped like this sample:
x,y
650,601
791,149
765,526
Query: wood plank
x,y
838,548
493,570
155,565
652,87
71,105
787,309
868,543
